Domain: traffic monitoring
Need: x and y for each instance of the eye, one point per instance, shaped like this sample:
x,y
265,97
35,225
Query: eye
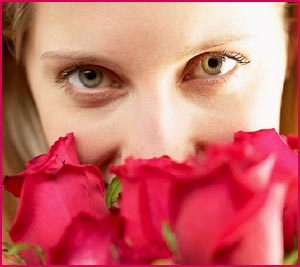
x,y
89,78
90,85
213,64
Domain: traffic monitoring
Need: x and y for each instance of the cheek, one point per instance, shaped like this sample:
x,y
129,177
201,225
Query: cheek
x,y
259,108
96,133
256,101
97,147
262,102
252,109
266,82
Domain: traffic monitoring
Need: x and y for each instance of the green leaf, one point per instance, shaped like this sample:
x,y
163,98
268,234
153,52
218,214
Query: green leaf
x,y
169,237
13,251
19,246
6,244
39,251
291,258
112,192
9,259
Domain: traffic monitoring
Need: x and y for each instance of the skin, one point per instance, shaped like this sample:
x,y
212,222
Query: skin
x,y
146,107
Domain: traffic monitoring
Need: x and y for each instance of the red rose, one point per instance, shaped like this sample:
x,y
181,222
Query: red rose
x,y
145,206
290,216
224,209
290,212
221,217
88,240
286,167
231,206
62,152
53,190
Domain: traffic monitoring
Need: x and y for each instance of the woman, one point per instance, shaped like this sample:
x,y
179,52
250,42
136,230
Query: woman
x,y
143,79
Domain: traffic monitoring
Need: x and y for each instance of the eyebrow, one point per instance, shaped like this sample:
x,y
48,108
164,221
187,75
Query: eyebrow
x,y
216,42
77,56
87,57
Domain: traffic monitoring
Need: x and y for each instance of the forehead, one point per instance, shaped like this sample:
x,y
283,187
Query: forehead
x,y
148,26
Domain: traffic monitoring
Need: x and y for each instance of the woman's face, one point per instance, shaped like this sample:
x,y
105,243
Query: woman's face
x,y
148,79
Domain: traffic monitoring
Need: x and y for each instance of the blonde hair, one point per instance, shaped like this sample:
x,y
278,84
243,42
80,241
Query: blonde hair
x,y
22,131
23,136
289,104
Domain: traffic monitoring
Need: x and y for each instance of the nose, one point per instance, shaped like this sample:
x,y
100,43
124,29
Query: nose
x,y
160,123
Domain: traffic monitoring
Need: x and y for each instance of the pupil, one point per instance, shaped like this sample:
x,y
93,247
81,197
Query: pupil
x,y
90,74
213,62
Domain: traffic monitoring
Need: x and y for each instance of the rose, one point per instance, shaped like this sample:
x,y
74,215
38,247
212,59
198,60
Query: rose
x,y
290,216
62,205
88,240
228,209
144,204
290,212
286,165
53,189
249,177
61,152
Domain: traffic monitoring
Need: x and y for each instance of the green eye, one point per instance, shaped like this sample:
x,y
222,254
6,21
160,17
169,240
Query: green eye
x,y
212,65
90,77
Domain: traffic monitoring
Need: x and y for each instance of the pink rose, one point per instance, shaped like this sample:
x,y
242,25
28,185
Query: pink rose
x,y
54,188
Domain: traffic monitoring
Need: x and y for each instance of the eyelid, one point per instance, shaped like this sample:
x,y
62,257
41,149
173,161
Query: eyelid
x,y
95,97
70,69
213,85
241,59
233,55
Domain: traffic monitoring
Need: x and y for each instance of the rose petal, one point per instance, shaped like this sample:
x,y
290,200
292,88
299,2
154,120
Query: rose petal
x,y
214,215
244,245
290,216
62,152
213,226
88,241
64,147
292,141
49,203
143,208
269,141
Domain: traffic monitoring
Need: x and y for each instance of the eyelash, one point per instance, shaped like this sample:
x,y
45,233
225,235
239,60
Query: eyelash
x,y
63,75
211,84
233,55
242,60
85,96
90,98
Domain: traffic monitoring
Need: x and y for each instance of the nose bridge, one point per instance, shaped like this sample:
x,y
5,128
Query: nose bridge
x,y
158,124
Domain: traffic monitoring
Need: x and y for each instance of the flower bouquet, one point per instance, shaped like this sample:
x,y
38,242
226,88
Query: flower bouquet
x,y
235,204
